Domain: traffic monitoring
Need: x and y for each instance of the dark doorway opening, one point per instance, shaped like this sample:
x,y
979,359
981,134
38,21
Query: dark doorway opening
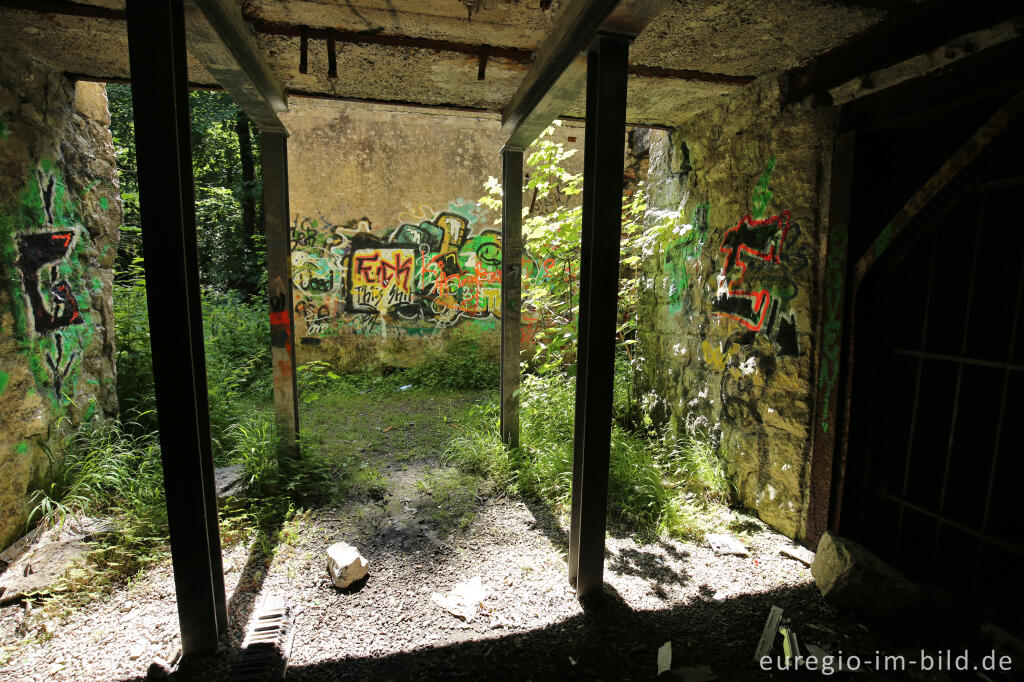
x,y
934,463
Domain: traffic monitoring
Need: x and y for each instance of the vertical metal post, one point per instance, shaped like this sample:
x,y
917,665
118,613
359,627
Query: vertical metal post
x,y
156,50
599,279
833,284
511,289
279,276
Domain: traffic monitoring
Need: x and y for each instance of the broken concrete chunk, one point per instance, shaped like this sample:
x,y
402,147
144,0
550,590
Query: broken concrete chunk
x,y
850,577
665,657
726,544
39,567
801,554
771,626
463,601
226,479
345,564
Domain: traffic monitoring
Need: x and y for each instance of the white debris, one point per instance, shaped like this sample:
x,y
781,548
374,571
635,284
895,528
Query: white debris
x,y
726,544
345,564
464,601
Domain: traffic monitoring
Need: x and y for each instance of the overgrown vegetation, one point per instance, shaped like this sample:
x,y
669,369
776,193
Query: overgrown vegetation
x,y
657,482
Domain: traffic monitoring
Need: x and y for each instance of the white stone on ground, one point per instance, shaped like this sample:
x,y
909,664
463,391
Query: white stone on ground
x,y
345,564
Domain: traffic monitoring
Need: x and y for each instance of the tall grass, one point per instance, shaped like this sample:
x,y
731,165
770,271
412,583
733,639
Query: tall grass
x,y
113,469
236,337
654,486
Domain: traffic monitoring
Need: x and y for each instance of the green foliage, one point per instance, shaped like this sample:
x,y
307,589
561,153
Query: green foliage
x,y
113,469
642,495
692,463
227,173
460,363
238,368
273,472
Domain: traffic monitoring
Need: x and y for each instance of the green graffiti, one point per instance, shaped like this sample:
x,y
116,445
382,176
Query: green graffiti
x,y
90,410
104,203
686,248
4,379
762,195
21,448
834,287
883,239
53,357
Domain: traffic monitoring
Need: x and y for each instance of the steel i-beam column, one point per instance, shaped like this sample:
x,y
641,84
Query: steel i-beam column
x,y
511,289
156,51
279,276
607,61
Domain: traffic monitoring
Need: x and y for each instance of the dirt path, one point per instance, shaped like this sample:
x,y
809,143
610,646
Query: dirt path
x,y
424,528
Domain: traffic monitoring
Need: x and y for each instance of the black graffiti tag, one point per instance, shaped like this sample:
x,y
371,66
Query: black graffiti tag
x,y
36,251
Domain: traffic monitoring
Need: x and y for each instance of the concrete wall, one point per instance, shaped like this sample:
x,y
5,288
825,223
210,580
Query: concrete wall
x,y
390,251
728,323
60,209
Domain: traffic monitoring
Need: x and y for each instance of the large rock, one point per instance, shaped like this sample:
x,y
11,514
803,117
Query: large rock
x,y
850,577
345,564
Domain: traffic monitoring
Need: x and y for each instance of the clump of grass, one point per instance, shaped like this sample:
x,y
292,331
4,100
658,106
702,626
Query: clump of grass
x,y
460,363
274,473
108,468
654,487
453,494
691,462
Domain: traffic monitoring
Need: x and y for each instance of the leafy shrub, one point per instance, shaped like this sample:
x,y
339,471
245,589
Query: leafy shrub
x,y
460,363
652,487
237,345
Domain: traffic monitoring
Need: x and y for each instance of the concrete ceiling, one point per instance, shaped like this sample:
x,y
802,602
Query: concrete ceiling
x,y
695,50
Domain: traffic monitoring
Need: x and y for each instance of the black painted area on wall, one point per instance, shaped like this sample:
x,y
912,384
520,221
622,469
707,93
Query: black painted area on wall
x,y
933,466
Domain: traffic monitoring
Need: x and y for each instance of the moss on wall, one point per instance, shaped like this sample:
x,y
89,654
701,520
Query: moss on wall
x,y
727,324
59,212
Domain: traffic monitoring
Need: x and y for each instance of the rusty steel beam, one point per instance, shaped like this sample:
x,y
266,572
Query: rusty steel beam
x,y
391,40
833,284
222,41
156,52
559,73
904,34
279,278
511,290
599,288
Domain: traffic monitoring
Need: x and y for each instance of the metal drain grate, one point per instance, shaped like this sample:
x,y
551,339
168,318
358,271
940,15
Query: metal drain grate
x,y
267,644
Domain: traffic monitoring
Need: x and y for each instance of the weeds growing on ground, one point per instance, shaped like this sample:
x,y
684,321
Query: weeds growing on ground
x,y
653,487
452,497
113,469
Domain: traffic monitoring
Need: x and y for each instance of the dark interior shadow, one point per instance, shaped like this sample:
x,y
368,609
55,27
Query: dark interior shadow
x,y
611,641
630,561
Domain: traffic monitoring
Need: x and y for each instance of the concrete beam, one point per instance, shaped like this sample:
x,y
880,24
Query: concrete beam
x,y
222,41
559,73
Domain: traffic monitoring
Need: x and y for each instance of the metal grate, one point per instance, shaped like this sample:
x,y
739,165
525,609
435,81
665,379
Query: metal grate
x,y
267,643
935,466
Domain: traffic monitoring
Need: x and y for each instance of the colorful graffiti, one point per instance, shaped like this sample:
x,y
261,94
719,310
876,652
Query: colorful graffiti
x,y
758,241
45,253
427,274
686,248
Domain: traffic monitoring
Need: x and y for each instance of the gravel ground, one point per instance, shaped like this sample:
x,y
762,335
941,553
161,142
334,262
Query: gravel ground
x,y
531,627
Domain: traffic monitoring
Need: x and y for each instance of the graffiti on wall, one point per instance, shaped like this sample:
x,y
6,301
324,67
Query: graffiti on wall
x,y
46,259
431,272
687,248
761,303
